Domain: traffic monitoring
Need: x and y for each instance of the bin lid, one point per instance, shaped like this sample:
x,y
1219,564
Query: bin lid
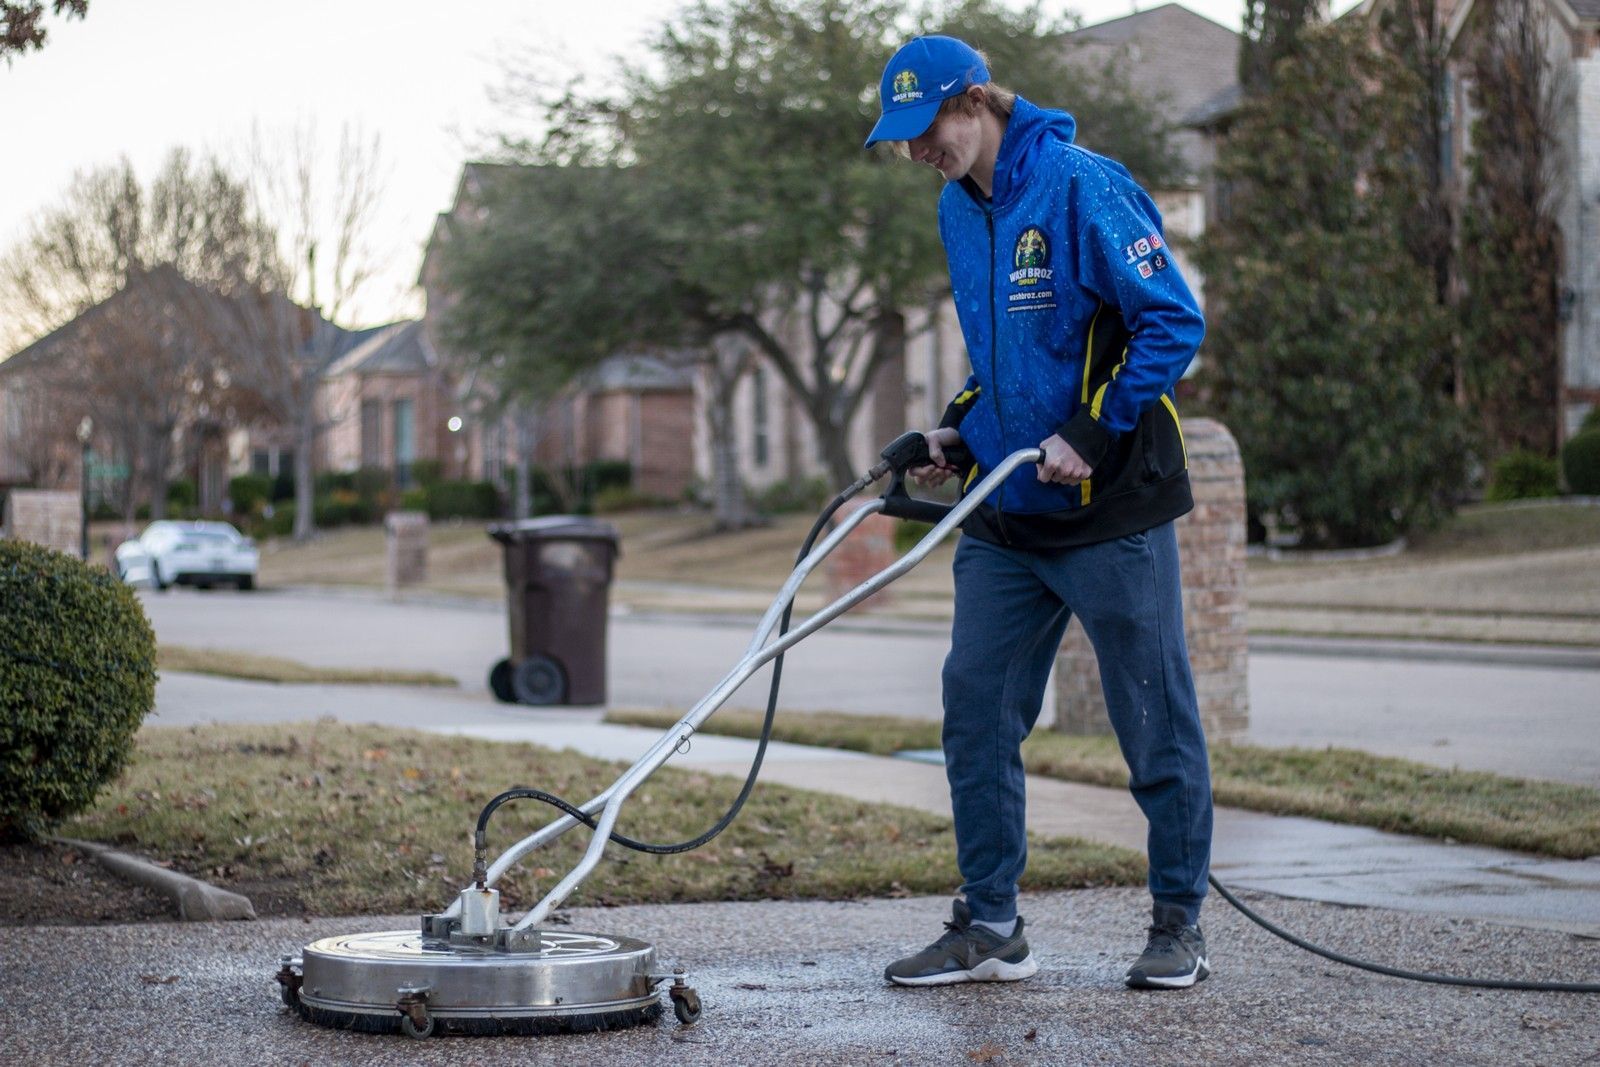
x,y
553,528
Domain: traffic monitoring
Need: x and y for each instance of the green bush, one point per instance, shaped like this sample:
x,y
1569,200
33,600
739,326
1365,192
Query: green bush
x,y
807,494
464,500
426,472
907,533
371,482
248,492
1580,460
414,500
77,677
181,496
1522,475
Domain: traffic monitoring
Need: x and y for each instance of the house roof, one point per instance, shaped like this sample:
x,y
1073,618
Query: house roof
x,y
632,372
398,348
1179,59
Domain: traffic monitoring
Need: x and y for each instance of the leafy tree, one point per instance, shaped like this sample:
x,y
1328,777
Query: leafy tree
x,y
1273,31
743,208
1331,352
21,23
1510,243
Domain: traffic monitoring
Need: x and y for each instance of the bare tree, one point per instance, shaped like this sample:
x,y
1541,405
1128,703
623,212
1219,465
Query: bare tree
x,y
285,321
108,276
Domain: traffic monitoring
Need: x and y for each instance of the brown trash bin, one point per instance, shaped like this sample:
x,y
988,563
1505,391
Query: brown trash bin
x,y
558,581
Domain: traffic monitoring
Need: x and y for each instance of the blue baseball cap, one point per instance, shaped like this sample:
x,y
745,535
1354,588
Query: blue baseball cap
x,y
922,75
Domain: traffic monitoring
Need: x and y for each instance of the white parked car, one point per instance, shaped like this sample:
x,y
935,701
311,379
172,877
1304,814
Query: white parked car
x,y
190,553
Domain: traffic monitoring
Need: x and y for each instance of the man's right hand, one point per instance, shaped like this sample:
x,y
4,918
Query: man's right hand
x,y
940,470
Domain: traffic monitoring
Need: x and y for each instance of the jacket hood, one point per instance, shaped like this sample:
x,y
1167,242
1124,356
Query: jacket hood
x,y
1030,130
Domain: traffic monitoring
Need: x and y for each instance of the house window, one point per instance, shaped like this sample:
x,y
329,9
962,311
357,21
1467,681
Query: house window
x,y
758,388
405,443
372,433
261,462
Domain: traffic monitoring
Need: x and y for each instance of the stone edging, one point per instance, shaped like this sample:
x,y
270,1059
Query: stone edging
x,y
196,900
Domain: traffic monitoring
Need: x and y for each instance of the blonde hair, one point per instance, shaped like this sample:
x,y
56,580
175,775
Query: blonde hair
x,y
997,100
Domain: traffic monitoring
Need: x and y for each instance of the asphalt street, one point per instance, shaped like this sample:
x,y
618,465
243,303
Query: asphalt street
x,y
1530,721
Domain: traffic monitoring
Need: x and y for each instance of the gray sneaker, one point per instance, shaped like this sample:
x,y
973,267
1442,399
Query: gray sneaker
x,y
966,953
1174,957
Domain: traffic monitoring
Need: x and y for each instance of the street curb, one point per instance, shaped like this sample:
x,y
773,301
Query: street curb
x,y
1539,656
197,901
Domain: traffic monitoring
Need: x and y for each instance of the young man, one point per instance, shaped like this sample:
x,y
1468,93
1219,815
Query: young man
x,y
1077,326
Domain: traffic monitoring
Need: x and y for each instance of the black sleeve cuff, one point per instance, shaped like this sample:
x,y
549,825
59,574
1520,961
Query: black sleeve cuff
x,y
1087,437
953,414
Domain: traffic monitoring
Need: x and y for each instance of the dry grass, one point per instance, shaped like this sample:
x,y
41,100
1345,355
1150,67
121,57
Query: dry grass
x,y
329,819
1339,785
228,664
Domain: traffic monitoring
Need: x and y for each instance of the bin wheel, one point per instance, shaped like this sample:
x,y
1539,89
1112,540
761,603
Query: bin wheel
x,y
500,682
539,680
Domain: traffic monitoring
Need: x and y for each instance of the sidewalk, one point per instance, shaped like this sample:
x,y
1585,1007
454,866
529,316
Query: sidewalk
x,y
1292,857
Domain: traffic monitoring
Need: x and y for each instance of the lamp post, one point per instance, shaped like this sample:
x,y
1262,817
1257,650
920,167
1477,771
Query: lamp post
x,y
85,432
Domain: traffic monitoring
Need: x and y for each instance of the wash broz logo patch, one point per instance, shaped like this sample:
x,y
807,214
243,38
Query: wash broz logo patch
x,y
1033,274
905,87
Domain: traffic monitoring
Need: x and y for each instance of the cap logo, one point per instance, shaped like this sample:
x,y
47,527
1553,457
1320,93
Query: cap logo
x,y
905,87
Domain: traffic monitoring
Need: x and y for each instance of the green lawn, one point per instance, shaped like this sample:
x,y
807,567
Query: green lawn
x,y
1340,785
328,819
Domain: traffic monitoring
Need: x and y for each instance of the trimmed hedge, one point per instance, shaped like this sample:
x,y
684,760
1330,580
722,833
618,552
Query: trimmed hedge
x,y
1580,462
1523,475
77,677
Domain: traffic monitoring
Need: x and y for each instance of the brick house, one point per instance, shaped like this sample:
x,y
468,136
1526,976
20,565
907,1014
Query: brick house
x,y
386,404
633,408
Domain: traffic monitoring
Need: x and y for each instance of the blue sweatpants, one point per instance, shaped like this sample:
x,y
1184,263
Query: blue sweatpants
x,y
1011,609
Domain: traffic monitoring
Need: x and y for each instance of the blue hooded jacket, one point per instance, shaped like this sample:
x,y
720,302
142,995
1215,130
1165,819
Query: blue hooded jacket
x,y
1077,322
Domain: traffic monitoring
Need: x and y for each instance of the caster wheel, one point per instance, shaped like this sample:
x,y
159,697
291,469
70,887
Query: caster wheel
x,y
411,1029
686,1005
291,999
539,680
500,682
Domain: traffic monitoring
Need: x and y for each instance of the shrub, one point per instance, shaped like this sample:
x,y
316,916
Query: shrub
x,y
414,500
465,500
1590,421
1522,475
618,498
800,495
283,485
77,677
426,472
248,492
1580,461
371,482
181,496
907,533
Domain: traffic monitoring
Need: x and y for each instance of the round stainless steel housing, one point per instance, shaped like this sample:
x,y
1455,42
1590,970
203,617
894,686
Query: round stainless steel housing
x,y
569,974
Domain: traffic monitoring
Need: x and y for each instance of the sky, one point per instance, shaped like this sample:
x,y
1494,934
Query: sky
x,y
138,78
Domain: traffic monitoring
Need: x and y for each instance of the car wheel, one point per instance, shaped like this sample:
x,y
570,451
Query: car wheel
x,y
247,582
160,583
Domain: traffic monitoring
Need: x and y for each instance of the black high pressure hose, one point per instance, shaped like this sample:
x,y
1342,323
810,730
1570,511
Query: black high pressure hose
x,y
523,792
898,457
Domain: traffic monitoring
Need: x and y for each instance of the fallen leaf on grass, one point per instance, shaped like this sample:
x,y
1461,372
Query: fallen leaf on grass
x,y
155,979
751,985
1031,1035
987,1053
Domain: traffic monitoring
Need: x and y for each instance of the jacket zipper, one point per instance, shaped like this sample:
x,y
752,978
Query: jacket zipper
x,y
994,374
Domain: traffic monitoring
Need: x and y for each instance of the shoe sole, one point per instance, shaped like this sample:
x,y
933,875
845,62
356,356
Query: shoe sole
x,y
1201,972
987,971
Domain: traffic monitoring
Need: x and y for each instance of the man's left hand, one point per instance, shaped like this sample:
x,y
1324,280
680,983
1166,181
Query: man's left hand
x,y
1061,463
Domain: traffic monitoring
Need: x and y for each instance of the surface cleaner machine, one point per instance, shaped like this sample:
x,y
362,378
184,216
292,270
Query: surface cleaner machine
x,y
469,970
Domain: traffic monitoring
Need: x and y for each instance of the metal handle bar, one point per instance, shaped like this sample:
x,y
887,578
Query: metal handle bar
x,y
610,801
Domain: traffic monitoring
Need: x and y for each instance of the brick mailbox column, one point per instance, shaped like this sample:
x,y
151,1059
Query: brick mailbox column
x,y
48,517
1211,542
406,534
868,550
